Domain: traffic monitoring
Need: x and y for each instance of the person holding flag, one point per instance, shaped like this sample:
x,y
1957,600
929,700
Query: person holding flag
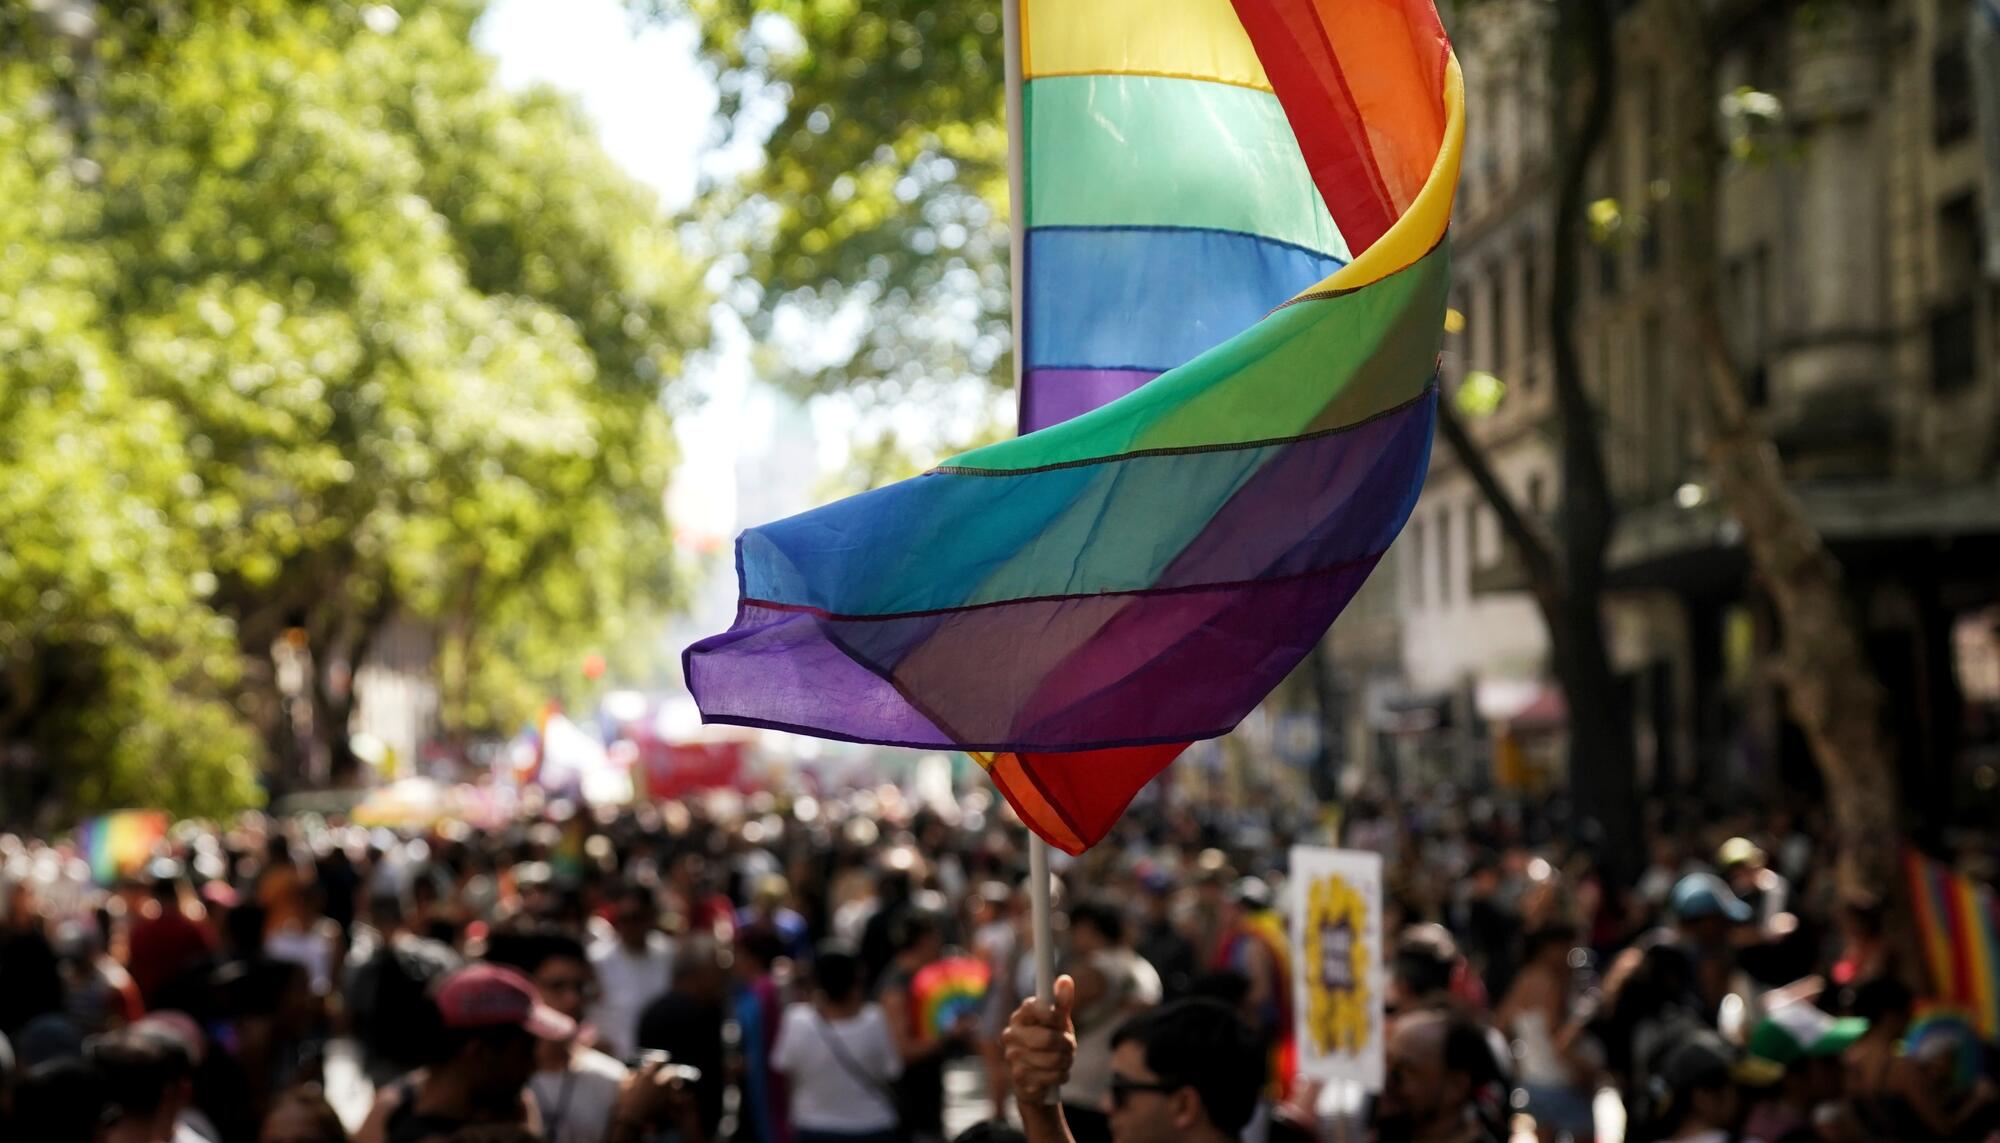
x,y
1187,1072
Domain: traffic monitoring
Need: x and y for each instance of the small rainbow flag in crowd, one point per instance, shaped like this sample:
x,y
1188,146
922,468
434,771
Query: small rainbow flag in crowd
x,y
1959,924
1948,1032
118,844
945,991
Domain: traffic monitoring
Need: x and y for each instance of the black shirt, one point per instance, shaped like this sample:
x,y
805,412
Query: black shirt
x,y
690,1031
920,1091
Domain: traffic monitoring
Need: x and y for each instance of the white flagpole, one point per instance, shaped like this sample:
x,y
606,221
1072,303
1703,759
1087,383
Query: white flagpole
x,y
1038,850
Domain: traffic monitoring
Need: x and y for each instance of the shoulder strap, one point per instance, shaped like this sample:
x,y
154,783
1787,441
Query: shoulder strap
x,y
848,1064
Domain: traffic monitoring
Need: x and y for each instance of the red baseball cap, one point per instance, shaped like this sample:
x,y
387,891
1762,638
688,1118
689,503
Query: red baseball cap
x,y
489,996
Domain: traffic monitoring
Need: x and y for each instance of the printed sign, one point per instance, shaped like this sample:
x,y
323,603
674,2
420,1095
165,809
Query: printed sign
x,y
1338,972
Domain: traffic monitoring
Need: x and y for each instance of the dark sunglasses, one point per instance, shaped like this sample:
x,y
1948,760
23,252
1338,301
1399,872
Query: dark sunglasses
x,y
587,988
1123,1089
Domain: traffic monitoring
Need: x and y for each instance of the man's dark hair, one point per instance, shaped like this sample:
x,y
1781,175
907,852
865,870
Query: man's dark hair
x,y
1205,1045
991,1131
1226,985
1468,1052
244,928
913,926
137,1071
1425,959
529,949
167,891
494,1133
760,944
62,1101
836,970
309,1100
1102,917
452,1042
1879,999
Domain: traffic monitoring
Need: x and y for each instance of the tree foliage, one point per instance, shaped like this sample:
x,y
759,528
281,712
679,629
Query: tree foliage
x,y
883,192
312,324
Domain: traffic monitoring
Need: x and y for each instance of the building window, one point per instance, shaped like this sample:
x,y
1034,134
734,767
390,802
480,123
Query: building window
x,y
1651,219
1954,321
1423,571
1961,245
1954,346
1607,267
1503,344
1442,542
1746,298
1531,314
1663,435
1951,93
1611,185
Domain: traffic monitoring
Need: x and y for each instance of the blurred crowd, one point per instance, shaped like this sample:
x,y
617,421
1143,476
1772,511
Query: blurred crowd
x,y
755,969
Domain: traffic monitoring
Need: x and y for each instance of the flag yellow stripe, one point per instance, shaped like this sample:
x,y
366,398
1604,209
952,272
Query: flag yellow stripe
x,y
1183,39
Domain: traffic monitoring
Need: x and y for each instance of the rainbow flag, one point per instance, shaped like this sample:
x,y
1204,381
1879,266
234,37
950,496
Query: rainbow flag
x,y
1234,288
943,992
1958,923
119,844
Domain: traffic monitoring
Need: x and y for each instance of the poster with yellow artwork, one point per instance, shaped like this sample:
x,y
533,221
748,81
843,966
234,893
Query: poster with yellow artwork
x,y
1337,964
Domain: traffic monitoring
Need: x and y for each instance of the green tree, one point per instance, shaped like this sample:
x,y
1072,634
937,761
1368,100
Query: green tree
x,y
409,332
883,192
113,669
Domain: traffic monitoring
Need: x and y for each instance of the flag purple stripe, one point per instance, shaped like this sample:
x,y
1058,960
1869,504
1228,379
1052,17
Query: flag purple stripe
x,y
1052,396
1216,650
1218,625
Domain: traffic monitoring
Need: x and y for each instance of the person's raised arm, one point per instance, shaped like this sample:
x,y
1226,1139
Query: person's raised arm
x,y
1040,1047
651,1097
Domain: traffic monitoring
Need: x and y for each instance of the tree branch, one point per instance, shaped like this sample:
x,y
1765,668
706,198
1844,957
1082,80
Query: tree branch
x,y
1527,536
1587,513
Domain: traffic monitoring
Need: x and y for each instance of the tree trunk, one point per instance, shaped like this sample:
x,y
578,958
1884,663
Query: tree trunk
x,y
1603,766
1566,569
1831,688
1332,722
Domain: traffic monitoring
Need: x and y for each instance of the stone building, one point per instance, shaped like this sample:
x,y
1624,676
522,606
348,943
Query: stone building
x,y
1851,256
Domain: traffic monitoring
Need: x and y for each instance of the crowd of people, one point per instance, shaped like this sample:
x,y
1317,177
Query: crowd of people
x,y
750,969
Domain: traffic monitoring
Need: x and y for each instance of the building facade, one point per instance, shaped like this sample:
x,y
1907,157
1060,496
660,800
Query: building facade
x,y
1851,252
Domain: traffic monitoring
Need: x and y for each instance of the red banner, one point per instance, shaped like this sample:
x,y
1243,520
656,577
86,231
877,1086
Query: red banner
x,y
675,770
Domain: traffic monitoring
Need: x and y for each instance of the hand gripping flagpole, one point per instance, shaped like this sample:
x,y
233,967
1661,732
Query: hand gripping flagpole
x,y
1038,850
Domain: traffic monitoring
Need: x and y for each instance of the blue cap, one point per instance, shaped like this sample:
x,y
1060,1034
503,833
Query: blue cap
x,y
49,1037
1701,895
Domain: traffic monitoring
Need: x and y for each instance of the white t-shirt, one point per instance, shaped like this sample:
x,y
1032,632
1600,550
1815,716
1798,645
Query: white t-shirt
x,y
627,983
578,1102
827,1094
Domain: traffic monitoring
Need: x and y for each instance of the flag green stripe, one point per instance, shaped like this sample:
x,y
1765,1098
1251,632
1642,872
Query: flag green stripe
x,y
1140,150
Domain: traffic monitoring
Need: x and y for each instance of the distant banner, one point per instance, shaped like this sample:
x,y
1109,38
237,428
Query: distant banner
x,y
1338,974
678,769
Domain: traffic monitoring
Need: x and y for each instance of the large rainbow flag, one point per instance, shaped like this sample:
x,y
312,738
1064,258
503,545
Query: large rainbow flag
x,y
1959,924
1235,282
